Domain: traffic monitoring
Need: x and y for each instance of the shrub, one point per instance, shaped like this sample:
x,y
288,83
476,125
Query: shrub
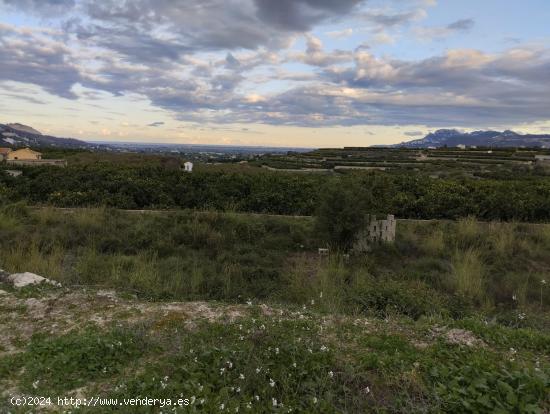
x,y
342,213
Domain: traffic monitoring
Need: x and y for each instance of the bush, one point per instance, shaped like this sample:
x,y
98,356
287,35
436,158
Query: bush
x,y
342,213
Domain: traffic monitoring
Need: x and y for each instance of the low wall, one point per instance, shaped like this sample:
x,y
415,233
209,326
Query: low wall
x,y
37,163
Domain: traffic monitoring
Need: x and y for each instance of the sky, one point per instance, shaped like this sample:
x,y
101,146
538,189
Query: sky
x,y
301,73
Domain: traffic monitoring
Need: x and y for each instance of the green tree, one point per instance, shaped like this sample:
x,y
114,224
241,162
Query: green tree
x,y
342,212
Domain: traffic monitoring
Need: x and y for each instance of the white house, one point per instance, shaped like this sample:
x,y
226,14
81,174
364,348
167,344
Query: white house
x,y
188,166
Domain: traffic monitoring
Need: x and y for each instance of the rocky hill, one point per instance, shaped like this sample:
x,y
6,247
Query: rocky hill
x,y
18,135
453,137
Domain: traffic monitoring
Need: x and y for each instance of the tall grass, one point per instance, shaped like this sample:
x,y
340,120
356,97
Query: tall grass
x,y
468,232
190,255
434,243
468,272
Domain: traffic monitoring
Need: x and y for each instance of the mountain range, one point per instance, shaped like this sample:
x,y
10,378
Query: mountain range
x,y
19,135
453,137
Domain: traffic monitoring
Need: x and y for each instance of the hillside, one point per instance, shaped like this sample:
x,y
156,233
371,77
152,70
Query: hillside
x,y
453,137
18,135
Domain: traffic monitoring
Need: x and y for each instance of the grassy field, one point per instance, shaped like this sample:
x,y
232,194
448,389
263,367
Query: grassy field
x,y
239,312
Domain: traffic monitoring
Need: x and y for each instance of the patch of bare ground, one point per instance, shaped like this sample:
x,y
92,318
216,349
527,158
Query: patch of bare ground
x,y
60,312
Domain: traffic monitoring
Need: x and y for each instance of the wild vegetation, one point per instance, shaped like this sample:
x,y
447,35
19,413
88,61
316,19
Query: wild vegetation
x,y
444,268
238,311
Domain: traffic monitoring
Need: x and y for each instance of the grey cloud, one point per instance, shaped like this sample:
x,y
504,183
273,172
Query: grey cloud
x,y
231,62
462,25
28,58
192,26
391,19
155,124
316,56
414,133
48,8
301,15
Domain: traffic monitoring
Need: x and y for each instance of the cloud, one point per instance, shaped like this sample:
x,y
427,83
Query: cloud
x,y
48,8
340,34
301,15
384,20
459,26
149,30
155,124
226,61
414,133
316,56
29,57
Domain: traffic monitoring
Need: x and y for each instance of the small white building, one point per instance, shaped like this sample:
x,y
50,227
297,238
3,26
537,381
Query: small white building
x,y
188,167
461,146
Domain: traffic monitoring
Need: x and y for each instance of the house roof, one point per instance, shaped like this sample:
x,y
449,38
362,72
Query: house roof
x,y
5,150
27,150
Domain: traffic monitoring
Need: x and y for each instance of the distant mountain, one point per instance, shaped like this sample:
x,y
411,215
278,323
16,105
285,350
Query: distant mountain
x,y
24,128
19,135
453,137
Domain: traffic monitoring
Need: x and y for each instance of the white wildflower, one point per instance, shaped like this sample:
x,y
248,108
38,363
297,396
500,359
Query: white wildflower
x,y
274,402
241,376
271,382
315,400
331,374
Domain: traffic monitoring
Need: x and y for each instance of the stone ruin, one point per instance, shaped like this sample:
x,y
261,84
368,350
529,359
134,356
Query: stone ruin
x,y
381,230
376,231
